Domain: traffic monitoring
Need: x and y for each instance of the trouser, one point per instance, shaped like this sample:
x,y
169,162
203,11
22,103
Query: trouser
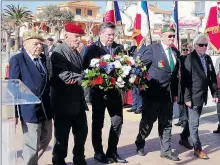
x,y
87,94
191,129
62,125
136,99
152,110
111,100
182,113
36,138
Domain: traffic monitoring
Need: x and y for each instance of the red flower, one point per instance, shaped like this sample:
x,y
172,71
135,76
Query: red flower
x,y
113,56
113,80
146,75
98,80
136,81
128,62
102,63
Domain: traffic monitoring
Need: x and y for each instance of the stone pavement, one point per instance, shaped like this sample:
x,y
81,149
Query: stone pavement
x,y
127,149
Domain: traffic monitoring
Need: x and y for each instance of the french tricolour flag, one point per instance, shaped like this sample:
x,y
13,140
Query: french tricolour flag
x,y
175,24
141,23
112,13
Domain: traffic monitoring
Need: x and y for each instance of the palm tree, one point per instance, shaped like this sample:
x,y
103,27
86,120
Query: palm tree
x,y
18,15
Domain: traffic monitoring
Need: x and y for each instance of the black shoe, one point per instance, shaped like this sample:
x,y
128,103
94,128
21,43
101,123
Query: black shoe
x,y
115,158
170,156
138,111
217,130
101,158
79,161
185,143
180,123
140,152
58,161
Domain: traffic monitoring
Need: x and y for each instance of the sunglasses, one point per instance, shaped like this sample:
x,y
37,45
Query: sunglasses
x,y
171,36
185,49
202,45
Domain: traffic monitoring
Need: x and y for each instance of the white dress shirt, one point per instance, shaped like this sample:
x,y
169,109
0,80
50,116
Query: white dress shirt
x,y
166,50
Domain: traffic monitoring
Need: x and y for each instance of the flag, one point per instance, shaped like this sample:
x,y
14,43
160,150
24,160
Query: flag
x,y
141,23
112,13
175,23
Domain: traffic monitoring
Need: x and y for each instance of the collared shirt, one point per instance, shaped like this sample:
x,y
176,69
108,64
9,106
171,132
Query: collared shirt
x,y
203,61
49,47
166,49
39,60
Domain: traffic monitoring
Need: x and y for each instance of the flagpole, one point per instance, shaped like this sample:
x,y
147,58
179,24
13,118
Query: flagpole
x,y
177,23
148,20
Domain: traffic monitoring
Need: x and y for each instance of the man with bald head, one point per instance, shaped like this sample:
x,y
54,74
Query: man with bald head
x,y
67,97
30,67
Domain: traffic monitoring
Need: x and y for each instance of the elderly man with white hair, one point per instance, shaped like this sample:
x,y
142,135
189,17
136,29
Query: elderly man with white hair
x,y
198,75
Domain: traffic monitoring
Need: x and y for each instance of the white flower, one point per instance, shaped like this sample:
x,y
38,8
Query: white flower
x,y
131,59
86,71
119,79
132,78
117,64
94,61
120,82
126,70
106,57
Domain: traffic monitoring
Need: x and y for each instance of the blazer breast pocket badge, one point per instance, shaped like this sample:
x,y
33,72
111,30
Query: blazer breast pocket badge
x,y
161,64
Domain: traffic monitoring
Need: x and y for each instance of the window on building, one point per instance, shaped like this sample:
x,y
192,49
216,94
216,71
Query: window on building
x,y
199,7
89,12
78,11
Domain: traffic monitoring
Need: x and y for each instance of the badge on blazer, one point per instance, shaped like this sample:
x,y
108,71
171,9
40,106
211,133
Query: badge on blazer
x,y
161,64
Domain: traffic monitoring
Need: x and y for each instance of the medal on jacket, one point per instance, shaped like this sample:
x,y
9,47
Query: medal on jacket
x,y
161,64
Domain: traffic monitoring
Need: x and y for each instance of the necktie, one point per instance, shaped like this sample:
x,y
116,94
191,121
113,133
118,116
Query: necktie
x,y
39,67
108,49
171,61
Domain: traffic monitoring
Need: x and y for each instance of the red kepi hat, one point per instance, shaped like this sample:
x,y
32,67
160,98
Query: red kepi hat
x,y
73,28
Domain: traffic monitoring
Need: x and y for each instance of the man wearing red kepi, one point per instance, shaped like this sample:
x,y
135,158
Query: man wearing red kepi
x,y
67,97
162,62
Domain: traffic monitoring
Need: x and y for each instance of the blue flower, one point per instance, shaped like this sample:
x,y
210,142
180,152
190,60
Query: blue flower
x,y
133,70
137,71
109,68
141,73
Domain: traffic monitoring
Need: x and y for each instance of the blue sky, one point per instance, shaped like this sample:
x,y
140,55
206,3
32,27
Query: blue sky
x,y
166,5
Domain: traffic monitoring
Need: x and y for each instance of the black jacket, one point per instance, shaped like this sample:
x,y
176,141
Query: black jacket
x,y
97,50
196,82
163,84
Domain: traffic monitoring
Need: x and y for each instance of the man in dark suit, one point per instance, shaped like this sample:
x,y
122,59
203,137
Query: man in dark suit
x,y
162,62
30,67
67,98
100,99
186,49
199,74
48,49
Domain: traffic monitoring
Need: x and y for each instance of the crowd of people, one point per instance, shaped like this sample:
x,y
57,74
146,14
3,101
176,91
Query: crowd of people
x,y
53,74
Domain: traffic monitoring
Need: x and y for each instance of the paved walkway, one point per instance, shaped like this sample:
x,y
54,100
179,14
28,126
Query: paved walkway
x,y
127,149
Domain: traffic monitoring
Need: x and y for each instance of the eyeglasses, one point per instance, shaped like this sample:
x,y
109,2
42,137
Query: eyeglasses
x,y
185,49
202,45
171,36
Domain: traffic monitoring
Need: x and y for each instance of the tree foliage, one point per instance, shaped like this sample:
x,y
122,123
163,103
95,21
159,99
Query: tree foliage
x,y
54,17
17,14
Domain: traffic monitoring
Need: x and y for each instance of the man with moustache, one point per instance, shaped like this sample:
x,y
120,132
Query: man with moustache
x,y
162,62
101,100
36,119
67,98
